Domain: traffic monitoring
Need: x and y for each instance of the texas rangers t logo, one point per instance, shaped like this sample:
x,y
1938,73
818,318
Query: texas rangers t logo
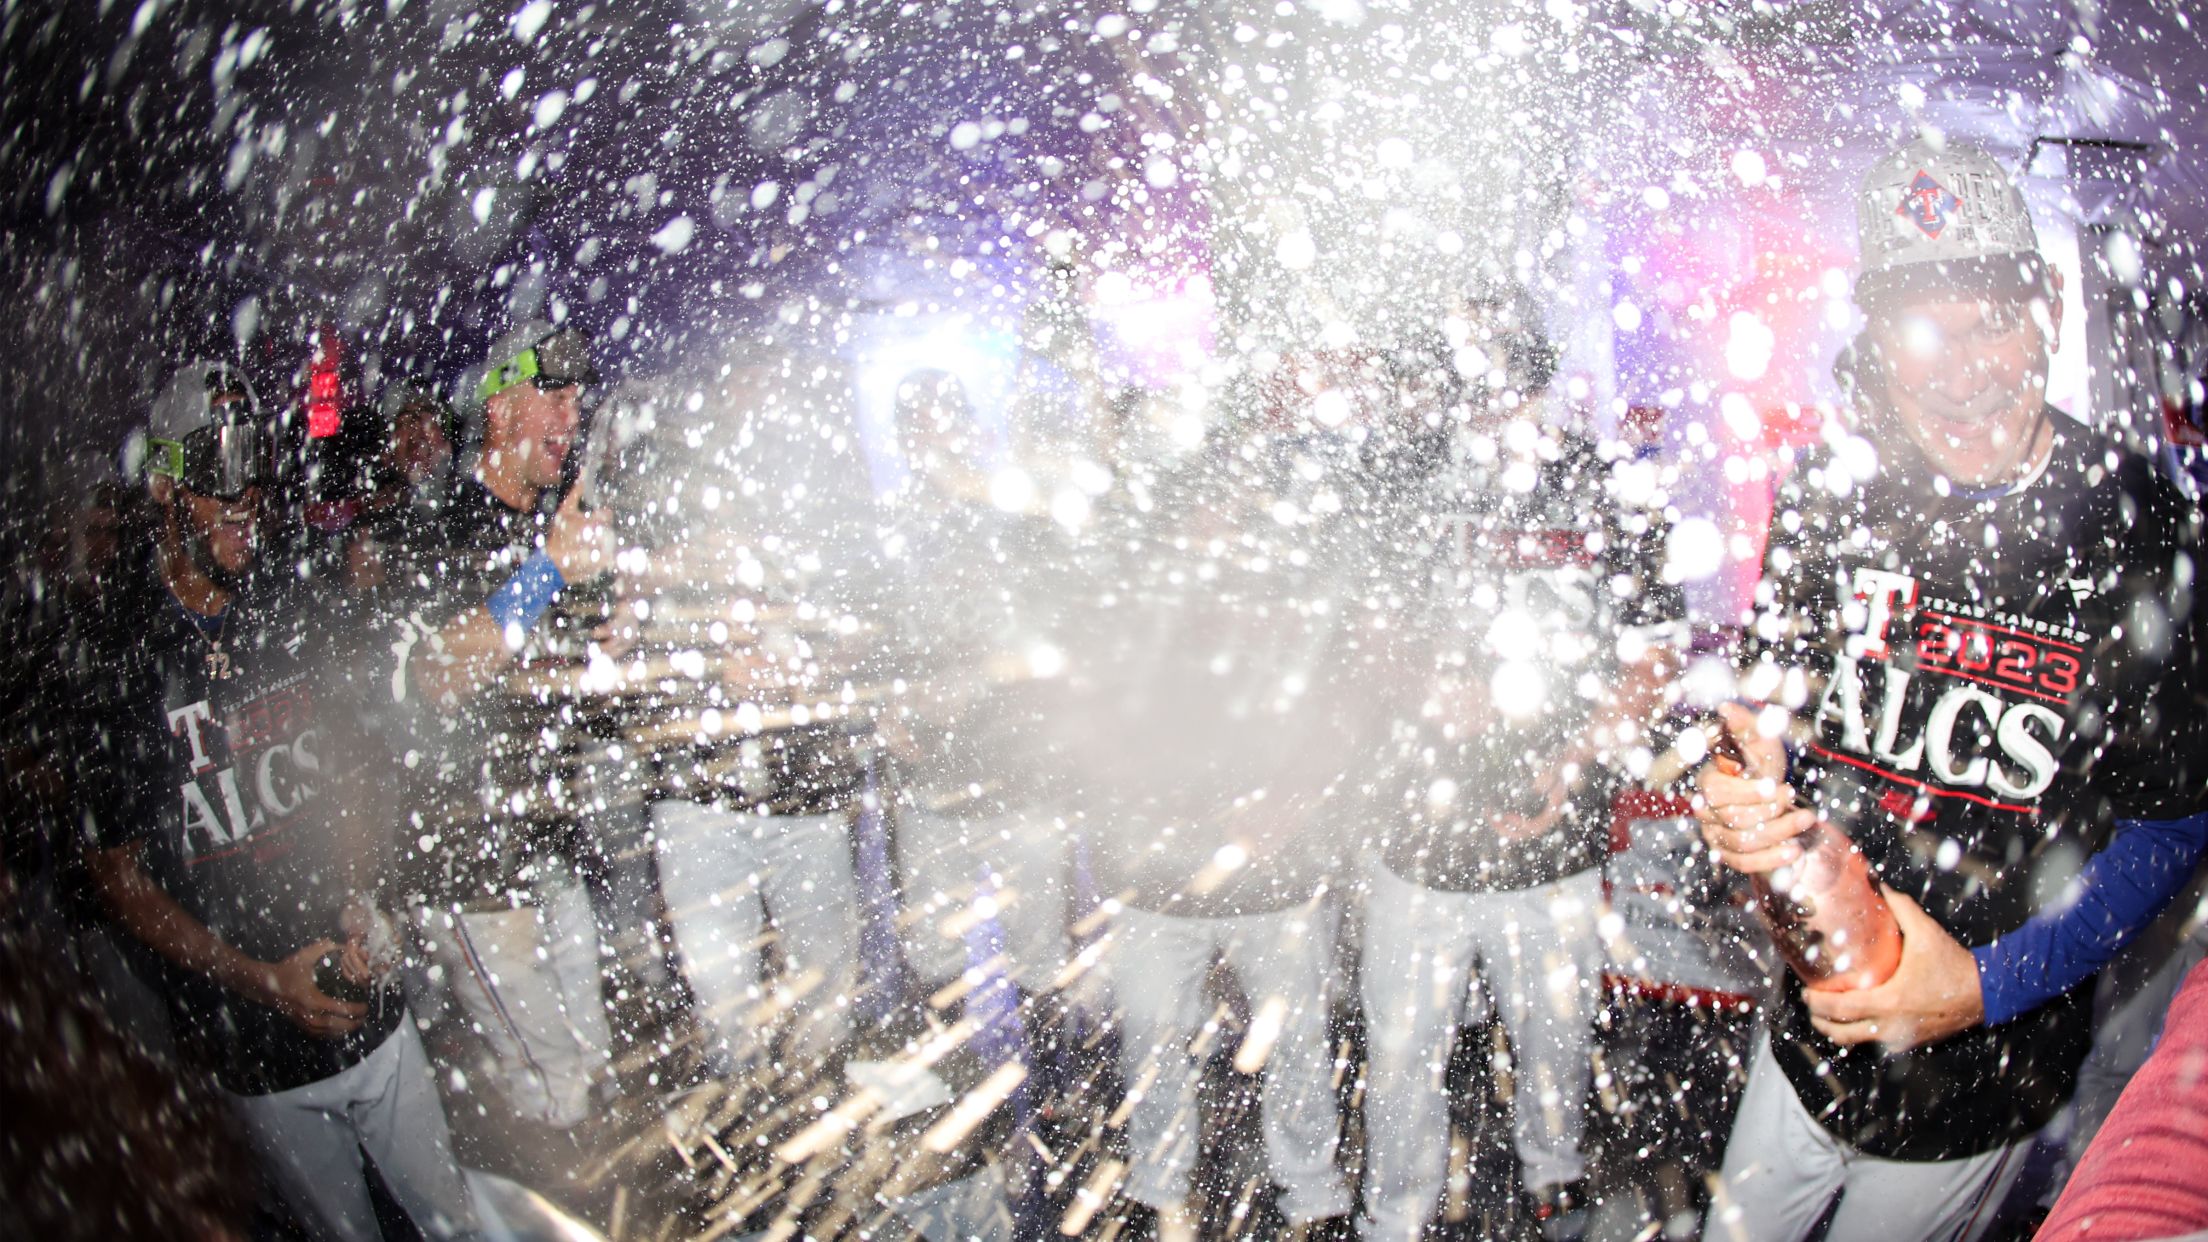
x,y
1927,203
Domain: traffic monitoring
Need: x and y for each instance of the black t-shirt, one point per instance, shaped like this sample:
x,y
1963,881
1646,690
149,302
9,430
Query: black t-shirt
x,y
216,744
493,808
1990,683
1546,557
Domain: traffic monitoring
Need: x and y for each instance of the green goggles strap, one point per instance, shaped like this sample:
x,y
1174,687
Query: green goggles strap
x,y
165,457
499,379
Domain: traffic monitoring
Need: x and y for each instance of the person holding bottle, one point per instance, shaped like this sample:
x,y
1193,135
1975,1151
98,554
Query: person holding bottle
x,y
1973,655
219,795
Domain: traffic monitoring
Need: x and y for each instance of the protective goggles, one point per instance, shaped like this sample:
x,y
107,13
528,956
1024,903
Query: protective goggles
x,y
557,361
223,460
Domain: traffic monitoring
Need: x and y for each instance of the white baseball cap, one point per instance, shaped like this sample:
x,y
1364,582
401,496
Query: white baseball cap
x,y
1944,216
204,431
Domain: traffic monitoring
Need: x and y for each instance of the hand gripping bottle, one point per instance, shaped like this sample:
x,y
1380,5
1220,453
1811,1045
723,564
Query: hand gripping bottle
x,y
1823,910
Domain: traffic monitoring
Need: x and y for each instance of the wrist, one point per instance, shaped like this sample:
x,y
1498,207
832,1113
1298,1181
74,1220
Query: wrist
x,y
249,977
517,604
1993,1002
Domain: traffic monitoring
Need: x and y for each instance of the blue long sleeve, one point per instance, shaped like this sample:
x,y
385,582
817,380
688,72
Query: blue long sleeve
x,y
2122,888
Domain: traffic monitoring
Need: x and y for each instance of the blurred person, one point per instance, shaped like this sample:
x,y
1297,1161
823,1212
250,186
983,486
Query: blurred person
x,y
1979,662
391,457
219,844
752,838
1551,638
386,466
349,501
418,454
76,599
617,478
1223,694
977,586
100,528
57,605
754,851
2145,1172
502,907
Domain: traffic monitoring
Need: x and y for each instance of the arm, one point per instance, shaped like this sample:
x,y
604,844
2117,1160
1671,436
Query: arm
x,y
1640,697
1621,721
460,657
2121,890
149,913
1942,987
456,659
2142,1176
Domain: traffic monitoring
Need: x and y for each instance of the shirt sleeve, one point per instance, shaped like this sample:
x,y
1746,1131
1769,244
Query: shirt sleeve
x,y
2120,890
120,749
2141,1177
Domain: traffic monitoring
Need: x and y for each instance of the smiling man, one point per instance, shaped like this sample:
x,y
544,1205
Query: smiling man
x,y
496,858
1984,657
218,847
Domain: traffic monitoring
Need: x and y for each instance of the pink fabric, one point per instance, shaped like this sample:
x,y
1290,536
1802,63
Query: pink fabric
x,y
2146,1173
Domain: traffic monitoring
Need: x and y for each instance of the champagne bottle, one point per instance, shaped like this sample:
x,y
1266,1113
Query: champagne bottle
x,y
330,978
1824,912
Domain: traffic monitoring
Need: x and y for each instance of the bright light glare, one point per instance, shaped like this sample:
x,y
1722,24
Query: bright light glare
x,y
1514,633
1519,689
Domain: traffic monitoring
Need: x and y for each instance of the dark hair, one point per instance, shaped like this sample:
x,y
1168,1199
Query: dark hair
x,y
348,465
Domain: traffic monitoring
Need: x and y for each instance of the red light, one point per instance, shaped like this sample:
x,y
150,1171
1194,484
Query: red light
x,y
325,387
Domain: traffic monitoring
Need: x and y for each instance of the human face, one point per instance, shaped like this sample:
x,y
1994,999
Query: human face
x,y
532,429
419,449
1966,379
225,534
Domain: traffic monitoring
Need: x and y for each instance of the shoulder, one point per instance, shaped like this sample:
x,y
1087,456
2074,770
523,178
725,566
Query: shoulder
x,y
2127,486
139,620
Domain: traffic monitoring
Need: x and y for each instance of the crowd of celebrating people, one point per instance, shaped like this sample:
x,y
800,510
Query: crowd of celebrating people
x,y
466,764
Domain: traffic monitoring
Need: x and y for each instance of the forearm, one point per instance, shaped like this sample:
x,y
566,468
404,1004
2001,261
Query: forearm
x,y
157,921
458,659
2120,891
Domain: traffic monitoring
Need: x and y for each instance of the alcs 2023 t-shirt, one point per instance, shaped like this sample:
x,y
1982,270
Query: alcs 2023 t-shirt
x,y
215,742
1991,683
